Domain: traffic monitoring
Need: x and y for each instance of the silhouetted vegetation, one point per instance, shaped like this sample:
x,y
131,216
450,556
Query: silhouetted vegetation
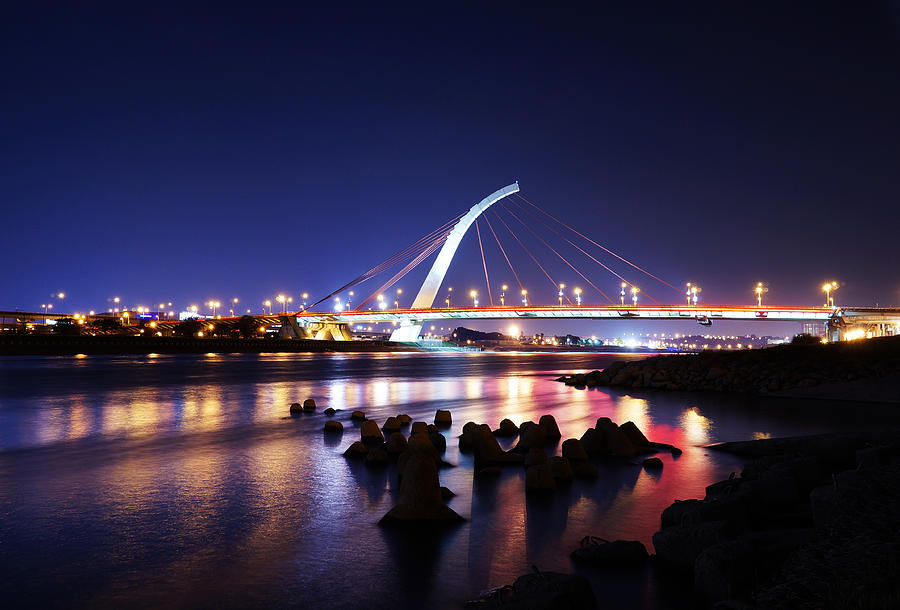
x,y
805,339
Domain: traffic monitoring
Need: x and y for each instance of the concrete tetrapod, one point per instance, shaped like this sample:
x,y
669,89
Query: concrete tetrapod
x,y
420,499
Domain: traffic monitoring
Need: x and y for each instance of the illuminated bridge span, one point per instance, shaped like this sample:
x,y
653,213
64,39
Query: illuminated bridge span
x,y
446,239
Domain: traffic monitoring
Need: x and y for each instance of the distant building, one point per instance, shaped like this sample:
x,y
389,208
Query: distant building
x,y
816,329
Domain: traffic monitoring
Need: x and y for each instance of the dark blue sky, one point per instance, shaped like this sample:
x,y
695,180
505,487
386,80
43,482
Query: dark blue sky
x,y
210,153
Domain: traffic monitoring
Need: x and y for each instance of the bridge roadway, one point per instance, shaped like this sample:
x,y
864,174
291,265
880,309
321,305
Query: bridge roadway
x,y
700,313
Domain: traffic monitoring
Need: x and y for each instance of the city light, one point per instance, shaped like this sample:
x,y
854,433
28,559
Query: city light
x,y
634,294
560,295
503,290
622,293
829,288
760,290
578,296
474,295
525,297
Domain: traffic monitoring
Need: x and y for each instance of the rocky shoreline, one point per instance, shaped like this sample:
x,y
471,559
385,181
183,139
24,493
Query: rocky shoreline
x,y
810,522
787,370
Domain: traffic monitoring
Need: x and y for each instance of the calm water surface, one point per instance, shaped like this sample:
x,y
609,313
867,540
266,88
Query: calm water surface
x,y
177,481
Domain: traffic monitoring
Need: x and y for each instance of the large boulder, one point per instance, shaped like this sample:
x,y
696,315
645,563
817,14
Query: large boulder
x,y
615,554
535,456
391,425
678,546
606,438
541,590
376,457
466,438
562,470
634,434
357,416
396,443
370,433
653,463
442,418
404,419
438,440
574,450
334,427
551,430
585,470
487,450
418,426
530,435
539,478
309,405
507,428
419,498
357,450
296,407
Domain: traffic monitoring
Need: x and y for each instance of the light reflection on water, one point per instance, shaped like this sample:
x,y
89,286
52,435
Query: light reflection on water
x,y
181,481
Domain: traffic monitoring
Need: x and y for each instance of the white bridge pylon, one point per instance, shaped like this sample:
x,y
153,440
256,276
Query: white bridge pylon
x,y
410,328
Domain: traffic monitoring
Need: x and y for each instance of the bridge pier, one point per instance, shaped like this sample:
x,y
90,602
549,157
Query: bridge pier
x,y
335,331
407,332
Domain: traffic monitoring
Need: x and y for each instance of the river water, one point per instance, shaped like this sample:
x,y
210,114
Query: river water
x,y
181,481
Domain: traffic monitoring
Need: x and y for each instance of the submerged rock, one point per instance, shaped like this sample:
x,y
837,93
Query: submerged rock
x,y
391,425
530,435
396,444
487,450
506,428
370,433
541,590
296,407
358,415
329,411
357,450
653,463
309,405
618,553
442,418
334,426
574,450
419,498
551,430
539,478
418,427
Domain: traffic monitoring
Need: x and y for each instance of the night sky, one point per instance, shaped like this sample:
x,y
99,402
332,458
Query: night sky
x,y
182,155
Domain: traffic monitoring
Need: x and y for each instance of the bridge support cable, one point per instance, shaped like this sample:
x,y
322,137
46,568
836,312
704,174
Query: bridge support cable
x,y
561,257
487,280
413,250
515,275
605,249
409,267
527,251
587,254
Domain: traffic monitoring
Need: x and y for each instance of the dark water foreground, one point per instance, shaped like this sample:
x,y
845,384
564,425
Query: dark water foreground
x,y
177,481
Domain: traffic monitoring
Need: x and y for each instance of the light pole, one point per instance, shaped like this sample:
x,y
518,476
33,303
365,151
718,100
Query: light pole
x,y
687,293
634,294
622,293
474,295
503,289
234,303
578,296
337,304
305,296
381,303
397,300
61,296
267,303
449,294
281,300
560,294
828,288
525,297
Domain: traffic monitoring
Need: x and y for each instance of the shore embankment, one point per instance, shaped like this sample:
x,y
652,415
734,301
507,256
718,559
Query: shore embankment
x,y
810,522
857,370
35,345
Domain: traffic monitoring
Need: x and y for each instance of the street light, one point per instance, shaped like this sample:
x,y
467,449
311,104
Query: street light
x,y
474,295
234,303
267,303
578,296
397,300
828,288
690,293
503,289
634,294
60,296
281,299
622,293
337,304
525,297
759,290
560,294
305,296
381,303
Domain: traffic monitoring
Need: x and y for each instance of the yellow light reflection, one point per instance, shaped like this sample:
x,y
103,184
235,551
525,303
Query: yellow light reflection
x,y
695,426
